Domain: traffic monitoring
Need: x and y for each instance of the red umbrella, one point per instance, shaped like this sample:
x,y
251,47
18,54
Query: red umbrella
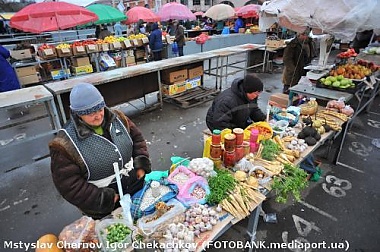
x,y
199,13
136,13
175,10
51,16
250,10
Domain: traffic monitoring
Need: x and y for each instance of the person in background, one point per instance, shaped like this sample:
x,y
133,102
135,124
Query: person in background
x,y
170,29
236,107
130,30
142,29
84,151
297,54
118,29
179,36
8,78
104,33
361,40
239,23
98,29
219,26
155,42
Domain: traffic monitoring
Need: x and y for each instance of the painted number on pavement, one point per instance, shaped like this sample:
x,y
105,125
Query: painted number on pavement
x,y
336,187
373,123
360,149
304,228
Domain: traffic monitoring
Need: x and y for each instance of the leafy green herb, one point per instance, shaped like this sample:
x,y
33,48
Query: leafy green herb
x,y
270,150
220,185
291,182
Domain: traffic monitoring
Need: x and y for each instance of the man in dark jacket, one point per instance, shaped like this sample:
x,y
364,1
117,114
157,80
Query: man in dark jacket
x,y
236,107
297,54
155,42
8,78
179,36
84,152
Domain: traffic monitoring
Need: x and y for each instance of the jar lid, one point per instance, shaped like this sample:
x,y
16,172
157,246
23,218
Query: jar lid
x,y
216,132
238,131
229,136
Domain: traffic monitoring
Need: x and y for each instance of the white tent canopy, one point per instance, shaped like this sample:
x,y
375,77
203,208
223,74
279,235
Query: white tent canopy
x,y
341,18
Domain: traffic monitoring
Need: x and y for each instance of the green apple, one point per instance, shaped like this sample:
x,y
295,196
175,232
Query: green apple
x,y
322,80
340,77
333,79
336,84
327,82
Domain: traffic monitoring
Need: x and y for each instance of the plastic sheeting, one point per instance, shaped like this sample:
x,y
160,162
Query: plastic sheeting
x,y
341,18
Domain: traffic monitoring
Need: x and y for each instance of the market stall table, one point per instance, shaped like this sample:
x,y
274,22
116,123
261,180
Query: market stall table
x,y
31,96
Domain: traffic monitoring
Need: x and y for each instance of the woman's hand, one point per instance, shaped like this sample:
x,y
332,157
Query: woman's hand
x,y
140,173
116,198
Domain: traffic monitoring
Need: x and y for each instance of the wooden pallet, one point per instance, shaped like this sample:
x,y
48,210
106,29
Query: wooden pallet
x,y
192,97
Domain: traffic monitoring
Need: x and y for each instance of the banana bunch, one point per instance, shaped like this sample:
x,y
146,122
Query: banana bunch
x,y
110,39
62,46
330,121
310,108
136,36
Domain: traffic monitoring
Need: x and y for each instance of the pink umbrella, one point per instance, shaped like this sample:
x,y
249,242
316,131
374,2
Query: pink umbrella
x,y
136,13
199,13
51,16
175,10
250,10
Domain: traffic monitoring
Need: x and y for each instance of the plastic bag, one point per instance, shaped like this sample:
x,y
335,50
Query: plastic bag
x,y
80,232
101,231
158,226
125,203
186,194
143,201
175,48
180,176
156,175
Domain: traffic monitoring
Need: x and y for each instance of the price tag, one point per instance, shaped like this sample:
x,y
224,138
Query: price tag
x,y
135,42
48,51
80,48
91,47
127,43
145,40
116,45
65,50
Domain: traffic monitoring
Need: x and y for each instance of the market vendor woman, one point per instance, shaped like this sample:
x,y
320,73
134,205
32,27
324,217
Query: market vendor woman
x,y
83,153
236,107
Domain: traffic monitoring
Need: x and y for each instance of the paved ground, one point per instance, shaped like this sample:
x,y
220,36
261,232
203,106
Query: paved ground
x,y
342,207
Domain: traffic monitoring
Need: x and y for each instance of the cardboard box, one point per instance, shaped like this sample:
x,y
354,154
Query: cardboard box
x,y
21,54
170,76
274,43
81,61
64,52
82,69
60,74
130,60
193,83
25,71
30,79
140,54
79,50
49,53
174,88
92,48
195,72
279,100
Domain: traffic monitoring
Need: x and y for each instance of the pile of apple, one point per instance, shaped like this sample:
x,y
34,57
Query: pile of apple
x,y
337,82
369,64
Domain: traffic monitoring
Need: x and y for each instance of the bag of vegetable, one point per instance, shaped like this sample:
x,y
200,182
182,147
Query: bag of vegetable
x,y
114,234
154,226
180,176
79,232
194,191
143,201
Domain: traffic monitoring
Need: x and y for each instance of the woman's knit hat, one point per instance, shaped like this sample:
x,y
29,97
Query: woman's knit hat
x,y
252,83
86,99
